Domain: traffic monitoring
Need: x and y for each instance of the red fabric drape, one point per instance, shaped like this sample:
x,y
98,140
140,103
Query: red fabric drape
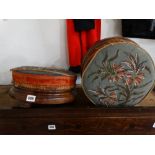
x,y
80,42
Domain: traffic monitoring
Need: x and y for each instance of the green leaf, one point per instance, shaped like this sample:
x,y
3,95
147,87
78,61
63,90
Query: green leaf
x,y
145,61
114,57
95,78
103,78
91,74
106,57
138,59
148,69
137,93
123,94
120,86
144,84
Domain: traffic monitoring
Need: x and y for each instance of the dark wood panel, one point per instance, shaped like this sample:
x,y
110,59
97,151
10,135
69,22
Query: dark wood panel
x,y
29,126
77,112
112,126
78,126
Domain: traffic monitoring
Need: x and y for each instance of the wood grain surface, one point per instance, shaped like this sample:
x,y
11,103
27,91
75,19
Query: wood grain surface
x,y
80,117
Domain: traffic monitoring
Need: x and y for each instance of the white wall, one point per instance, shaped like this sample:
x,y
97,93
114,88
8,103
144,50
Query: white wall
x,y
112,27
31,42
43,43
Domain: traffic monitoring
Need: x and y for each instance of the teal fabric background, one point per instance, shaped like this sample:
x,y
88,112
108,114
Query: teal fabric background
x,y
119,75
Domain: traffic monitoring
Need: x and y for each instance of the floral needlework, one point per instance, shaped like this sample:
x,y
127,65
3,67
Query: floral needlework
x,y
125,80
105,97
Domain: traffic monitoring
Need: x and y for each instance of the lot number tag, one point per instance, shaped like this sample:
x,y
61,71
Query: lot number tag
x,y
30,98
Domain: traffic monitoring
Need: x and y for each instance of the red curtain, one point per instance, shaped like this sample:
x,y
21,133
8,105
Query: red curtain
x,y
80,42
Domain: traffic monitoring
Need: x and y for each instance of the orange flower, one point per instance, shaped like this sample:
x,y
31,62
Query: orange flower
x,y
117,72
135,78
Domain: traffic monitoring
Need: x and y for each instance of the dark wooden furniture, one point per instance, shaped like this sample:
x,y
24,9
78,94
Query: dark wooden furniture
x,y
79,117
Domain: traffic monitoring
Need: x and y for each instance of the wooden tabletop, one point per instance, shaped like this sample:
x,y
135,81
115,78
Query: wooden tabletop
x,y
6,102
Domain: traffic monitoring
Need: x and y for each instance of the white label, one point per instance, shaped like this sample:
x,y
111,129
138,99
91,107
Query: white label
x,y
153,125
52,127
30,98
